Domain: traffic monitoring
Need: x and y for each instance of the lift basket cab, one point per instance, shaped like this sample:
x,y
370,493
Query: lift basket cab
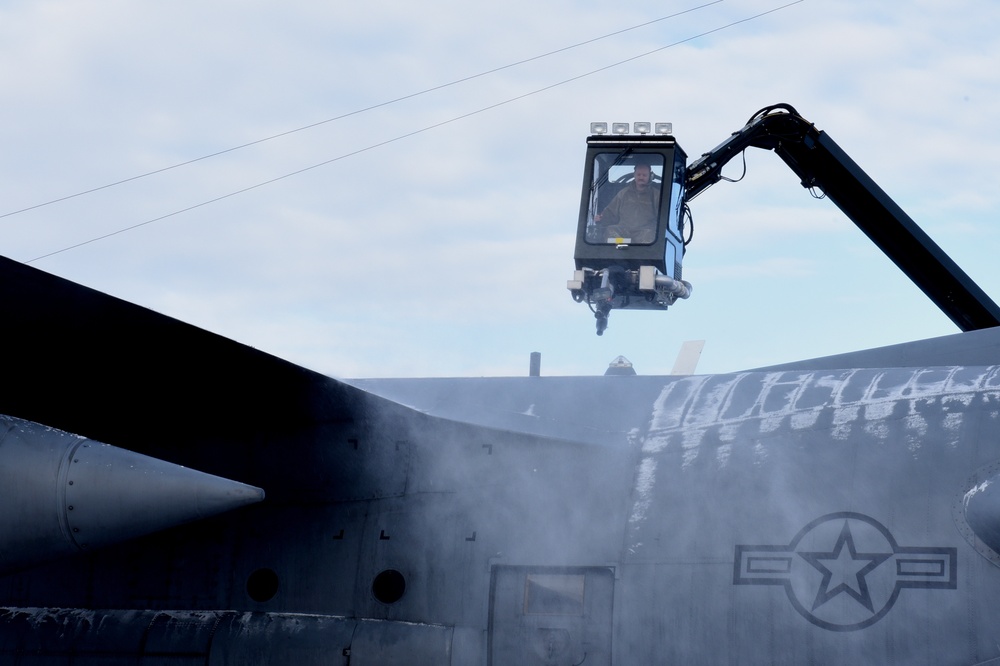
x,y
629,239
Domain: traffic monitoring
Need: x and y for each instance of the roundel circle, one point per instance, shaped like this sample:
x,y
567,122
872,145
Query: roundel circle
x,y
844,571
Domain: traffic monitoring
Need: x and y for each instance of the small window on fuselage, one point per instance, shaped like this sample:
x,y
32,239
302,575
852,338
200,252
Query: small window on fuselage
x,y
554,594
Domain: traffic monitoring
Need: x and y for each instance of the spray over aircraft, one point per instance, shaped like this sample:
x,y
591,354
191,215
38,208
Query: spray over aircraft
x,y
174,497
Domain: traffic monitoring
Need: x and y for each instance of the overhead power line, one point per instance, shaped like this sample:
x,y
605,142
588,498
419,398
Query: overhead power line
x,y
419,131
357,111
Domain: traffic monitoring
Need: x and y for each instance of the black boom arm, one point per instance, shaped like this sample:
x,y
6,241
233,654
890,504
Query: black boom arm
x,y
820,163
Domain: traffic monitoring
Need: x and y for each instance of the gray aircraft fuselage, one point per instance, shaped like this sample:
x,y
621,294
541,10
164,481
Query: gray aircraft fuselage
x,y
780,516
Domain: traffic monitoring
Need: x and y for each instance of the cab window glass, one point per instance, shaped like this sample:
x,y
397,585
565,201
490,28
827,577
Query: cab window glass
x,y
625,198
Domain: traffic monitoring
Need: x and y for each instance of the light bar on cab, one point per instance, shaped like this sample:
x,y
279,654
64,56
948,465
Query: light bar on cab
x,y
663,129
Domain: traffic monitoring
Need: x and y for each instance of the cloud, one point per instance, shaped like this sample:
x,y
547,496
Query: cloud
x,y
447,251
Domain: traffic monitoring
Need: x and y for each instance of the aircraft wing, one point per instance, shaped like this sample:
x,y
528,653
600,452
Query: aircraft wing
x,y
971,348
93,364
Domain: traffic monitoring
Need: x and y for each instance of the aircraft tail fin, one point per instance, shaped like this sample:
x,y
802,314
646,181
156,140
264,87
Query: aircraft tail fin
x,y
688,357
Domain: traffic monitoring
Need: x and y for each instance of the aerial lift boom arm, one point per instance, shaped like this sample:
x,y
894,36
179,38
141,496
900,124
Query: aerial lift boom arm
x,y
820,163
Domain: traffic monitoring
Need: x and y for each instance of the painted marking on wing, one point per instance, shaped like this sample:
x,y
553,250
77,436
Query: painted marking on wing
x,y
750,406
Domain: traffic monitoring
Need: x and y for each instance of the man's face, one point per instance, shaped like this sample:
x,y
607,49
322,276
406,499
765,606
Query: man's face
x,y
641,177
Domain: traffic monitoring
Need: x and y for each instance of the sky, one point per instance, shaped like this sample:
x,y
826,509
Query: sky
x,y
423,224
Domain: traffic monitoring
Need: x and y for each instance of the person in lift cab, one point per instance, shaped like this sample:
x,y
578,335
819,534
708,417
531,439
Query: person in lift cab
x,y
632,214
